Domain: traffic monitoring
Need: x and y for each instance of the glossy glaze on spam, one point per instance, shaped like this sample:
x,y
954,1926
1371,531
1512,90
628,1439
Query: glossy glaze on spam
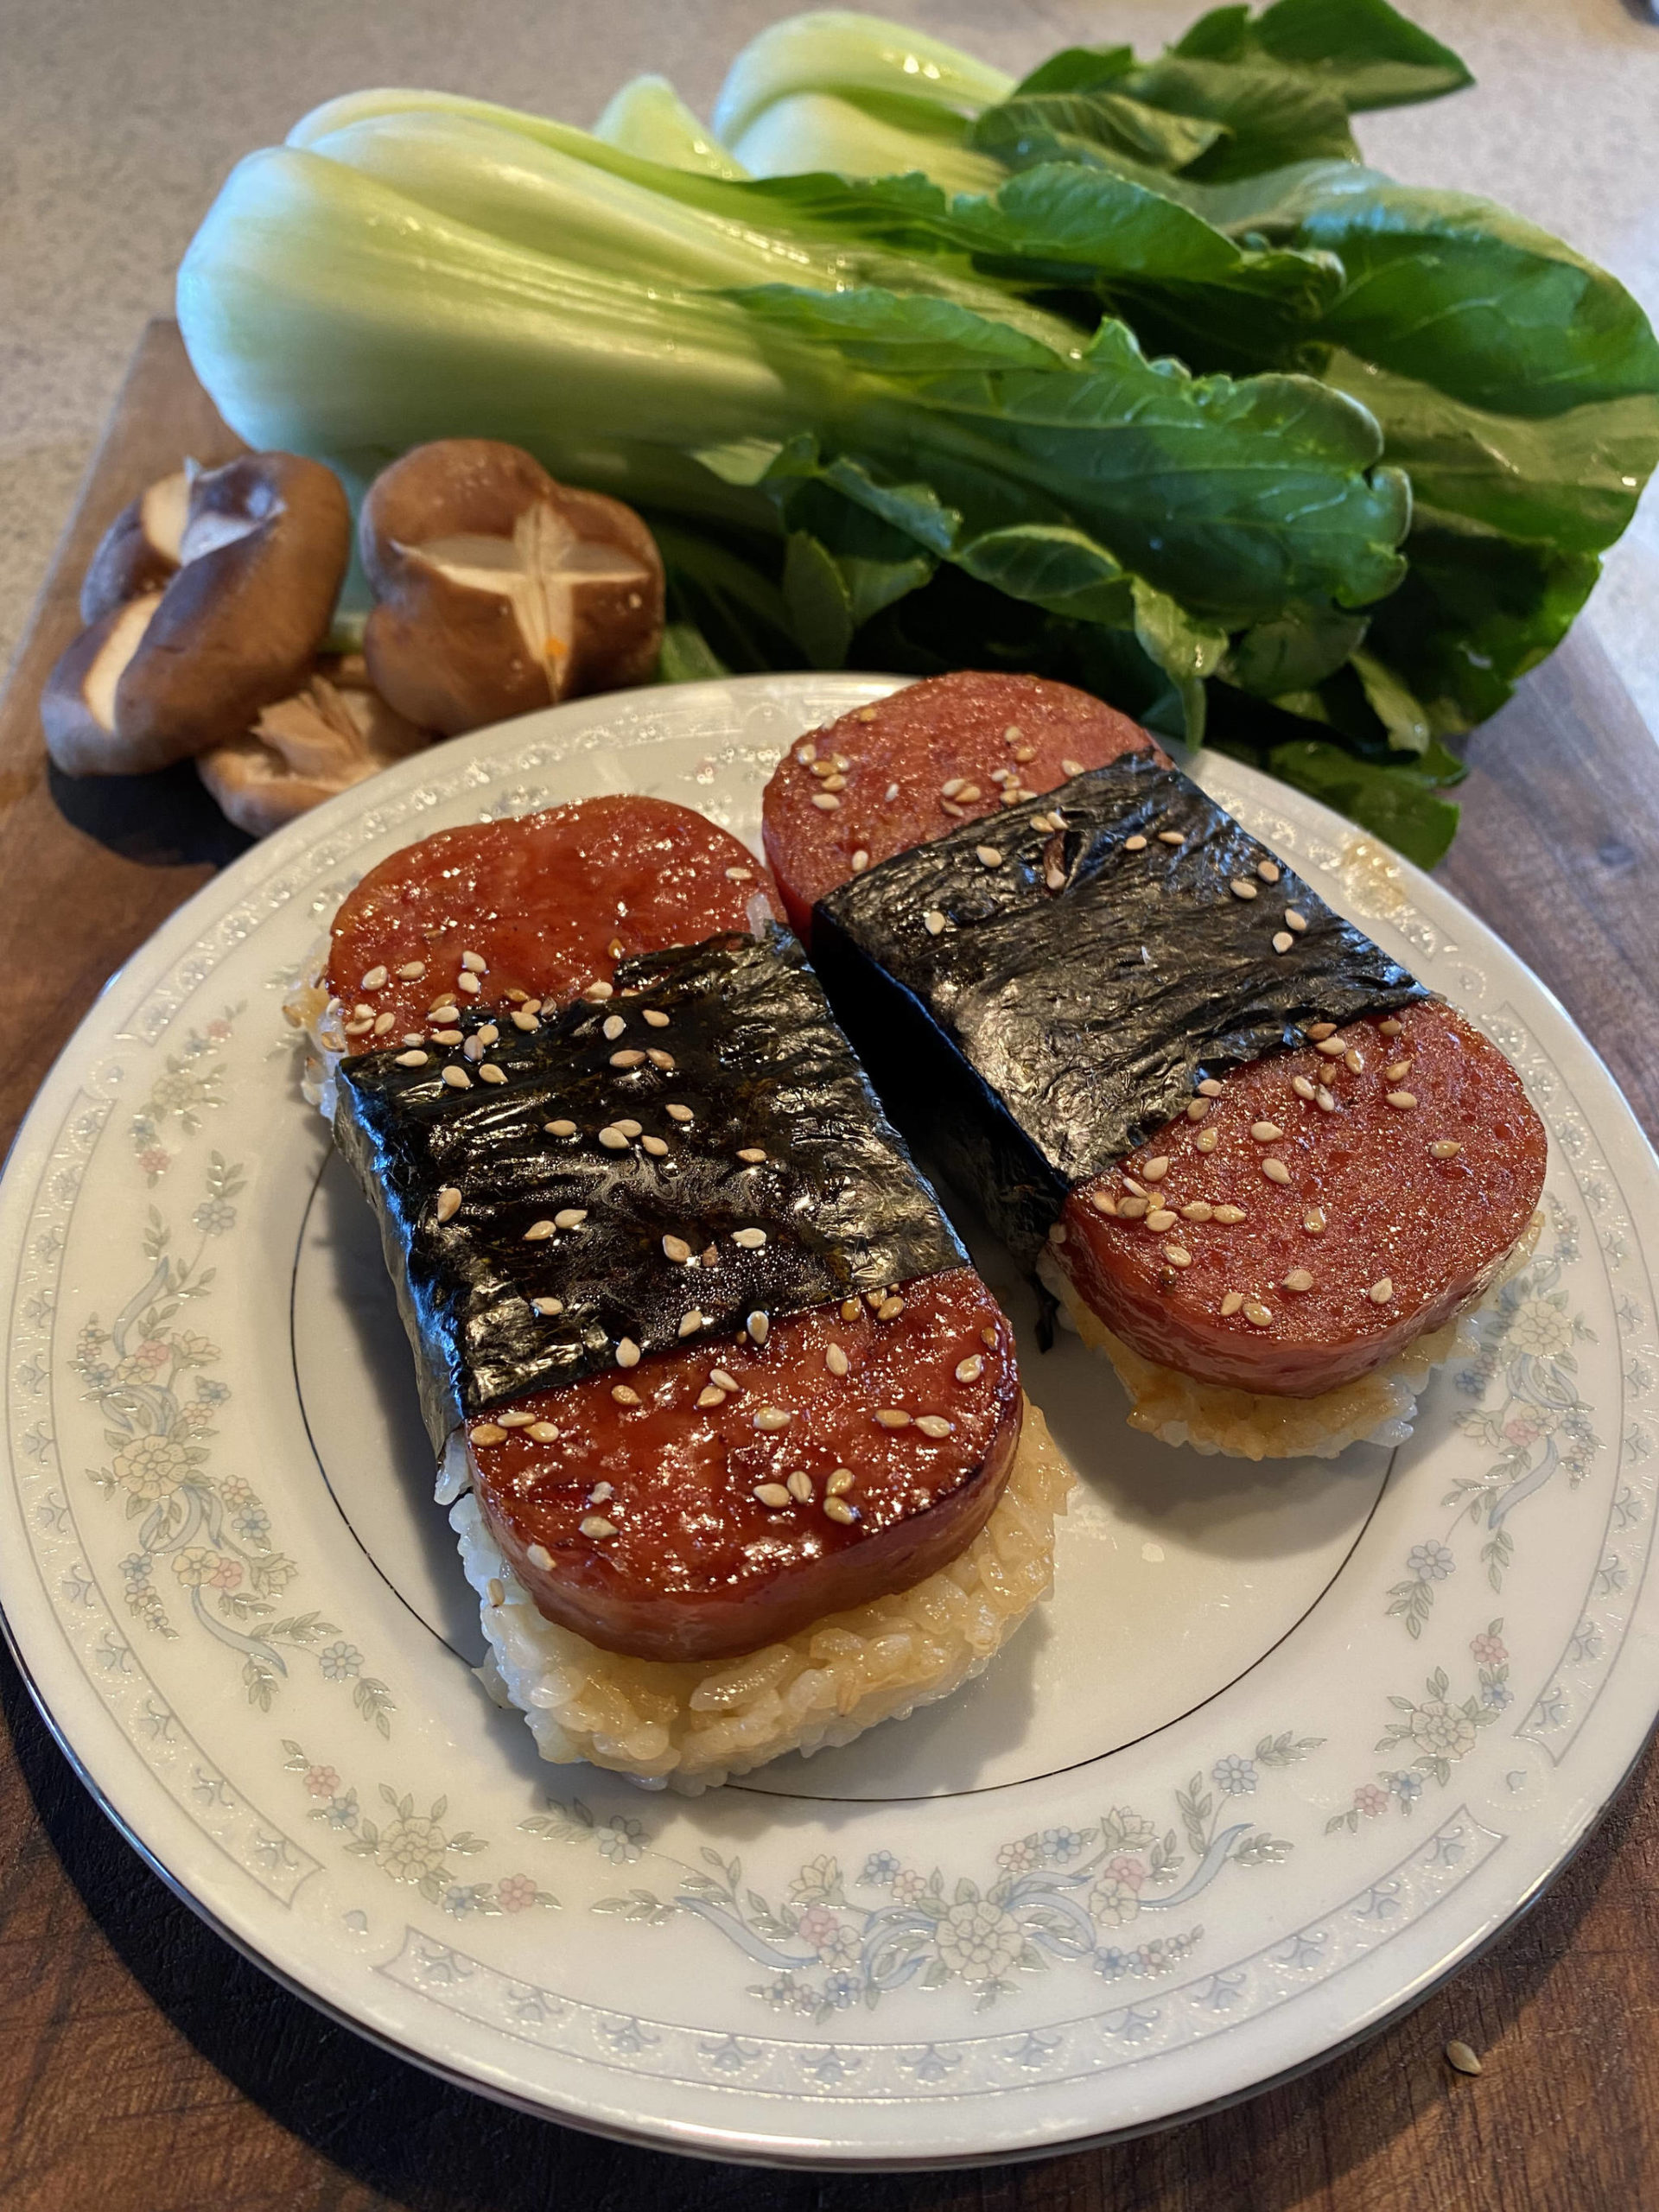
x,y
661,1513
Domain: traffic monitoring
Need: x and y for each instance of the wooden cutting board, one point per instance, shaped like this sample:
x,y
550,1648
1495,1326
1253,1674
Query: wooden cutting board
x,y
143,2064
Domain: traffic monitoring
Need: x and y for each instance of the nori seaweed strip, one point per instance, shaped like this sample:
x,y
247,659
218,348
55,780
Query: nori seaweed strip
x,y
761,1064
1045,1032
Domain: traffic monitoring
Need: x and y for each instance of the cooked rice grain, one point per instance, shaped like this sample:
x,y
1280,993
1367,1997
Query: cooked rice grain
x,y
690,1727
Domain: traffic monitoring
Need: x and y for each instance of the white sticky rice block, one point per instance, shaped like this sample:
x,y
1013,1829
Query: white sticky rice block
x,y
1375,1408
689,1726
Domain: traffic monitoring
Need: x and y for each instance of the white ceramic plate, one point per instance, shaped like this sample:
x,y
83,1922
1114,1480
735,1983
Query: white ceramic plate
x,y
1287,1744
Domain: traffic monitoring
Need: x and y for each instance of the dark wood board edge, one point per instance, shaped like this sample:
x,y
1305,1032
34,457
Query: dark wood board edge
x,y
143,2064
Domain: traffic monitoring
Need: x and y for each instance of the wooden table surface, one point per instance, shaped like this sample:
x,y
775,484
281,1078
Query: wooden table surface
x,y
144,2067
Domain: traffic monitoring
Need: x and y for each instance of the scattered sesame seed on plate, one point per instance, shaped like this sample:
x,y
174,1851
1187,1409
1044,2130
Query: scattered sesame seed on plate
x,y
1229,1217
1197,1209
933,921
1197,1108
1172,836
723,1381
1102,1202
627,1353
1313,1221
680,1114
677,1249
1299,1280
1276,1170
1402,1101
1207,1139
1268,871
711,1396
1259,1316
655,1018
1231,1303
412,971
1136,844
659,1058
1209,1088
772,1494
836,1509
892,1417
631,1058
1444,1148
1381,1292
1266,1132
988,855
750,1239
970,1370
470,984
934,1425
373,980
490,1073
596,1526
798,1484
890,1309
1178,1255
614,1024
826,802
1242,889
1459,2056
538,1232
1160,1219
1282,940
1297,921
486,1432
457,1078
625,1394
412,1059
548,1307
1391,1028
758,1326
1303,1088
835,1360
692,1321
539,1555
654,1146
1071,767
860,861
448,1203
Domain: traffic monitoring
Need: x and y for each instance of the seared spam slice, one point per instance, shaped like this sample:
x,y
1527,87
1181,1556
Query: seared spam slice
x,y
953,749
541,908
709,1502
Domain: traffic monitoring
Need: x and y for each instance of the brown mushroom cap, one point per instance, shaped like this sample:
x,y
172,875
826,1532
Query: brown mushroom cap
x,y
77,699
139,551
264,550
499,590
331,734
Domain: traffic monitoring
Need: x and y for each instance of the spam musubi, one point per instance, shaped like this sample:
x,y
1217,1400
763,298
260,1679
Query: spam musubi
x,y
1259,1164
733,1433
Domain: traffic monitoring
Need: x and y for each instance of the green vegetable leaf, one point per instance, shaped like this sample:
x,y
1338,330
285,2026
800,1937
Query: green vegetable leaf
x,y
1403,809
1072,126
1078,69
1272,115
1185,649
1294,651
1053,567
1363,50
896,335
1404,719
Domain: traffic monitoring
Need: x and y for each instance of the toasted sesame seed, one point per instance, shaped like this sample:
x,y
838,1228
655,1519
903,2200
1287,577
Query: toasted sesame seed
x,y
933,921
412,971
490,1073
373,980
1071,767
934,1425
752,1154
412,1059
562,1127
1209,1088
548,1306
1296,921
458,1078
1354,1061
1160,1219
691,1322
654,1146
1172,836
1259,1316
469,983
1178,1255
826,802
987,1338
722,1381
1320,1030
949,789
1197,1209
677,1249
1299,1280
1241,889
538,1232
631,1058
446,1036
680,1114
890,1309
1266,1132
625,1394
1133,1208
750,1239
383,1022
1102,1202
833,783
1207,1139
1402,1101
1197,1108
892,1417
772,1494
474,1048
798,1484
890,794
838,1483
1381,1291
627,1353
836,1509
613,1026
835,1360
988,855
1229,1217
486,1432
596,1526
860,861
710,1396
1136,844
1303,1088
659,1058
1391,1028
1276,1170
740,875
806,755
1155,1170
599,992
655,1018
1444,1148
970,1370
539,1555
1326,1099
1282,940
412,1037
1329,1048
1129,1184
448,1203
473,962
498,1591
543,1432
1230,1304
758,1327
525,1021
1459,2054
1398,1071
1313,1221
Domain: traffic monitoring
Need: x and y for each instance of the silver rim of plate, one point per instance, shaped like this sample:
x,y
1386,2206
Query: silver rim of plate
x,y
1285,1747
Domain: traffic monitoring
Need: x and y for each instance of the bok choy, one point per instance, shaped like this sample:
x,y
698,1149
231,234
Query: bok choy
x,y
1131,374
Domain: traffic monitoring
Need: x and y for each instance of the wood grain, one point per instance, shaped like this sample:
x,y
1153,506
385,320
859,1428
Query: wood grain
x,y
143,2064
